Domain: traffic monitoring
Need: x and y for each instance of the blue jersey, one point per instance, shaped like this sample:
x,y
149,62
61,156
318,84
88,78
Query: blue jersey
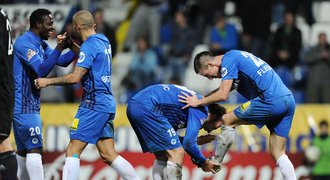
x,y
95,55
256,77
162,99
28,49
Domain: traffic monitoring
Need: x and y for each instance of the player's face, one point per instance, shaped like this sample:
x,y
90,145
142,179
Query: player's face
x,y
76,29
210,72
210,123
47,27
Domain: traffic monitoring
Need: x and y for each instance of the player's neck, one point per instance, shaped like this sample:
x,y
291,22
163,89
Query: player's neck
x,y
218,60
88,32
35,31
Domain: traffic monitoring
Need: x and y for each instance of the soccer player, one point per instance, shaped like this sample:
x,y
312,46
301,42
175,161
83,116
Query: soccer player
x,y
270,103
93,122
155,114
33,58
8,163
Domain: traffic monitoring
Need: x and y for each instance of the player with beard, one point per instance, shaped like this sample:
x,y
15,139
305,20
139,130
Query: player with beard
x,y
34,58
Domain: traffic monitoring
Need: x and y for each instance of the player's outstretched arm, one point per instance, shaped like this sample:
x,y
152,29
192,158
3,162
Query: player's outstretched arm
x,y
220,94
71,78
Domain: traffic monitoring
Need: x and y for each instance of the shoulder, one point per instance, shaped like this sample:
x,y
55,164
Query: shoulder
x,y
231,54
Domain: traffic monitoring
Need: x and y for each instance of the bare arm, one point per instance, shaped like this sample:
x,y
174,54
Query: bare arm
x,y
219,94
71,78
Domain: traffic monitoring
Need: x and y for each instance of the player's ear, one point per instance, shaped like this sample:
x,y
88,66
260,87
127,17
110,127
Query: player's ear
x,y
212,63
39,25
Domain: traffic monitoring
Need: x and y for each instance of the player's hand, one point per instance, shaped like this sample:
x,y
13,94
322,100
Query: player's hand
x,y
41,83
190,100
62,41
210,166
205,139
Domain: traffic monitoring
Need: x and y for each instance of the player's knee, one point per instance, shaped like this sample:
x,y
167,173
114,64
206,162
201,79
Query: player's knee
x,y
230,119
108,157
35,150
176,155
276,153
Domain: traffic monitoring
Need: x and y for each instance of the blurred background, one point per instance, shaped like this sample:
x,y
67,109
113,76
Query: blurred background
x,y
154,41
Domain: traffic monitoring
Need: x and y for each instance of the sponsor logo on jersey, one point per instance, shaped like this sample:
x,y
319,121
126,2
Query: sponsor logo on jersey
x,y
81,57
106,78
224,72
30,53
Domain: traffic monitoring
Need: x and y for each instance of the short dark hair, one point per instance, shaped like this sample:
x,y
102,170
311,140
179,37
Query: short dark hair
x,y
197,60
217,109
37,16
324,123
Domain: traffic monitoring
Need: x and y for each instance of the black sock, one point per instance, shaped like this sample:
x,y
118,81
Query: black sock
x,y
8,166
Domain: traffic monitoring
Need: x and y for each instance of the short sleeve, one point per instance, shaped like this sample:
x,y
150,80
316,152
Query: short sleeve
x,y
86,57
27,52
229,67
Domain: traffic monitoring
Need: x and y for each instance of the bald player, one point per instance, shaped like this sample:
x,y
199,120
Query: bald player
x,y
93,122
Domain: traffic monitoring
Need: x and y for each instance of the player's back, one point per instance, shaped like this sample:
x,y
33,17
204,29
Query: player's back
x,y
256,77
6,63
95,55
163,99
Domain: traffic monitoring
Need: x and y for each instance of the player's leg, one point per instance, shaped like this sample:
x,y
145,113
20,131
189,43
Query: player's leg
x,y
152,130
117,162
34,165
226,137
173,169
28,137
21,165
279,132
7,159
72,160
277,149
159,165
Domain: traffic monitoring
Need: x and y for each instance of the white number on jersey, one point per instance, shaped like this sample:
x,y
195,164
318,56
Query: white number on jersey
x,y
185,89
257,61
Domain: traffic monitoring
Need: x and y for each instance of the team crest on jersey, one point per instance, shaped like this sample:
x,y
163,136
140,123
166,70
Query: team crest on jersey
x,y
173,141
30,53
224,72
81,57
35,141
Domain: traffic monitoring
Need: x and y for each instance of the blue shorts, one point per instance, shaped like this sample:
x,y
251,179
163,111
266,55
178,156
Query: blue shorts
x,y
90,126
153,130
276,114
27,131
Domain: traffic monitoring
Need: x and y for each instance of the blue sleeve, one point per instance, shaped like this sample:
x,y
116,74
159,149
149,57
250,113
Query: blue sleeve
x,y
43,68
86,56
229,66
66,59
190,139
29,54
